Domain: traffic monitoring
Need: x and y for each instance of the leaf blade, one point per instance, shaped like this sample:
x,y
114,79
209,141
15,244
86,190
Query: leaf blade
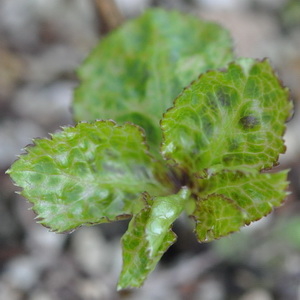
x,y
133,76
87,174
148,236
228,119
230,200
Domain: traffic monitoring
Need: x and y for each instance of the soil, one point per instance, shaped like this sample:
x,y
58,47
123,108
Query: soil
x,y
41,44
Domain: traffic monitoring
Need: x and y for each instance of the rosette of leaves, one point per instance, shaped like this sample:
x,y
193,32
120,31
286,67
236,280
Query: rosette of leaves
x,y
217,139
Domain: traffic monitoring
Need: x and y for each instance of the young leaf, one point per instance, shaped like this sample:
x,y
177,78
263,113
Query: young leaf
x,y
135,73
232,119
229,200
91,173
221,132
148,236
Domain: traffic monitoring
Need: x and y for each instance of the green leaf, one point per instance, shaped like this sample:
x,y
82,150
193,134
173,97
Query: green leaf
x,y
135,73
229,200
228,119
91,173
148,236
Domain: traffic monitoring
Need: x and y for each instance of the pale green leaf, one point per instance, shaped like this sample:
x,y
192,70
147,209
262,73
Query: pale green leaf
x,y
135,73
148,236
229,200
91,173
228,119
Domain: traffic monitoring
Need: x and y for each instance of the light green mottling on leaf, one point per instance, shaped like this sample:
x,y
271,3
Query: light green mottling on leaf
x,y
148,236
230,200
220,133
135,73
230,119
91,173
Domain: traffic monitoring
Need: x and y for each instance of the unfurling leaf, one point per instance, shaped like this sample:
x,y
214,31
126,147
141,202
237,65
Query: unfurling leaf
x,y
148,236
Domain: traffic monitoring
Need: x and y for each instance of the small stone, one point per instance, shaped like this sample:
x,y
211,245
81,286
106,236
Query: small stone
x,y
93,290
21,273
132,7
210,289
253,33
20,23
91,251
26,22
45,105
223,4
55,62
43,245
9,293
271,4
257,294
11,71
40,295
14,135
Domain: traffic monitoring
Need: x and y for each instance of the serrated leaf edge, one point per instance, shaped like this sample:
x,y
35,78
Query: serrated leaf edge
x,y
173,163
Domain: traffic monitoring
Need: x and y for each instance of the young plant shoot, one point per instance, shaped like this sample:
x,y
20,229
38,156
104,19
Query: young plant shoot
x,y
149,157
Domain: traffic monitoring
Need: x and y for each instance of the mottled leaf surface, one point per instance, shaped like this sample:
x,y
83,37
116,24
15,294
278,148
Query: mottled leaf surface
x,y
221,133
91,173
135,73
232,119
148,236
229,200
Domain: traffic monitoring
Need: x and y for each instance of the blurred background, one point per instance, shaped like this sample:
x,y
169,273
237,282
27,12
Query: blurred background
x,y
41,44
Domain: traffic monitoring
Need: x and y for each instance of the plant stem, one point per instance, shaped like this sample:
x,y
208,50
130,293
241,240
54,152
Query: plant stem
x,y
110,15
